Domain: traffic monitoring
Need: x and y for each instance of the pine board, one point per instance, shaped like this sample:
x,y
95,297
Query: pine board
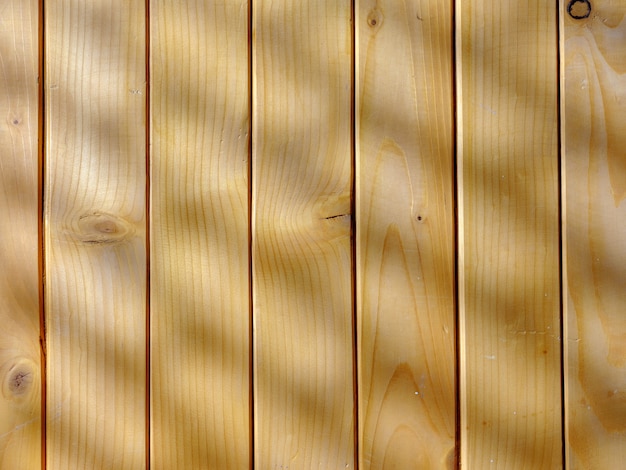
x,y
20,369
509,295
200,414
405,234
594,93
301,224
95,287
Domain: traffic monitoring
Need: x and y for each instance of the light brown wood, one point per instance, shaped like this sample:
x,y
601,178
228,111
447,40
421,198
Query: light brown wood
x,y
95,233
594,113
508,235
199,235
302,288
20,370
405,235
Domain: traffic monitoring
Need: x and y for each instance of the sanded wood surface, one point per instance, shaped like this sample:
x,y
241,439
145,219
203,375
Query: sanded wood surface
x,y
510,343
20,372
405,235
199,235
95,233
302,282
594,113
289,399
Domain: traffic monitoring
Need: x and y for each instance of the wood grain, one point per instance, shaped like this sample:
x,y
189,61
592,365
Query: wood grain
x,y
20,369
509,235
302,283
594,112
95,233
405,235
199,234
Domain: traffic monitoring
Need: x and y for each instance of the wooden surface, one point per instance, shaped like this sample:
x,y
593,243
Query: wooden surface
x,y
199,235
594,112
20,372
95,233
301,190
508,235
405,235
277,224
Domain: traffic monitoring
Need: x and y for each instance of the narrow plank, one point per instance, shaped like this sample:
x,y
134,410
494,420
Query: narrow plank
x,y
20,368
594,93
95,233
302,283
405,234
199,234
509,235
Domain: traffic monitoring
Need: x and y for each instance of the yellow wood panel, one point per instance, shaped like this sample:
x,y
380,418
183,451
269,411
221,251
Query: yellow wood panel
x,y
199,234
508,235
302,286
405,228
20,372
594,138
95,233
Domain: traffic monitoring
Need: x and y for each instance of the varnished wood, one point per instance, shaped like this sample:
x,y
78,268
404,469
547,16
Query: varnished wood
x,y
405,235
95,233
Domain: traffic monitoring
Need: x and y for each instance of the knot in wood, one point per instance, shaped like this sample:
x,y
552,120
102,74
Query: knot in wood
x,y
579,9
19,379
375,18
101,228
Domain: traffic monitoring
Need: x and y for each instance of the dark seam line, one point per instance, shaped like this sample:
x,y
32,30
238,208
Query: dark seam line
x,y
560,166
251,445
40,226
456,242
353,238
147,206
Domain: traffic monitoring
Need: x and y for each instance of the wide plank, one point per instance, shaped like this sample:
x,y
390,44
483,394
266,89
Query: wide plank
x,y
301,227
95,287
594,173
509,300
199,307
405,258
20,365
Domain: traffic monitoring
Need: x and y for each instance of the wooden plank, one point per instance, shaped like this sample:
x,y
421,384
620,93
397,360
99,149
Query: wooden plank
x,y
20,366
509,235
199,234
302,283
95,233
594,93
405,234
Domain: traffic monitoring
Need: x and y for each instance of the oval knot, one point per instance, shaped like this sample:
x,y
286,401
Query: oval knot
x,y
100,228
19,379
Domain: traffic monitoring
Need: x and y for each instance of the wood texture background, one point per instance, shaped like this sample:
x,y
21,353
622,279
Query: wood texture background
x,y
509,293
20,369
301,227
594,161
330,188
199,305
405,235
95,184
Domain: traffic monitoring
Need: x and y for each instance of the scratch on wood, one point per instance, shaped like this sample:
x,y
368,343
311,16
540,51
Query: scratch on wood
x,y
18,427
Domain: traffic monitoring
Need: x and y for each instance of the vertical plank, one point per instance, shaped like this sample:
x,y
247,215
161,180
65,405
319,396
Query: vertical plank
x,y
509,235
302,289
20,372
199,234
95,233
594,93
405,234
